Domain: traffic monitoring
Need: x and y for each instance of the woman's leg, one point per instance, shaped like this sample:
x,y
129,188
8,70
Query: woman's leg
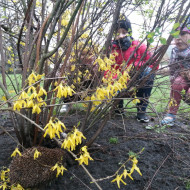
x,y
178,85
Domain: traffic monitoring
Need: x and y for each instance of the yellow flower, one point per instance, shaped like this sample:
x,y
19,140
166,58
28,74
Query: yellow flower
x,y
36,154
22,43
4,98
85,35
118,179
30,104
4,174
31,89
31,78
60,124
134,167
72,67
23,95
63,91
41,103
50,129
55,83
101,63
53,128
73,140
18,187
125,174
9,62
136,100
34,78
36,109
4,186
9,48
19,104
64,22
59,169
172,103
16,151
42,92
33,95
84,157
69,143
38,77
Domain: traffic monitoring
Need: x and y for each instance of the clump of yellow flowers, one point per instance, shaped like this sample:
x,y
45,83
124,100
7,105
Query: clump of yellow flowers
x,y
119,177
60,169
73,139
113,81
54,127
32,98
4,181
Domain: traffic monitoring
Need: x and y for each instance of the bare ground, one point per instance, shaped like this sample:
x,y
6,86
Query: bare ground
x,y
164,163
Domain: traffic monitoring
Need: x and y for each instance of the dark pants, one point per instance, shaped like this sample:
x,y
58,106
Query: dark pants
x,y
143,93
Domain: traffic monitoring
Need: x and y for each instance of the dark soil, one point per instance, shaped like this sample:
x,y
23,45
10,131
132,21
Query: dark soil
x,y
164,163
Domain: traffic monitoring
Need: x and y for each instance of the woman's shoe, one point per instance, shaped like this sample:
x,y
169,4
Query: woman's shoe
x,y
169,119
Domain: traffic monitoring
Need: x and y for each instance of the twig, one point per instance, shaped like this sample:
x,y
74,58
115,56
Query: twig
x,y
81,181
93,180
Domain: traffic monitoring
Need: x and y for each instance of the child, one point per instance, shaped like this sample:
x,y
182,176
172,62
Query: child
x,y
125,45
179,74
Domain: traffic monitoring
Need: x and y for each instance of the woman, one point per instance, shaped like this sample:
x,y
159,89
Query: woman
x,y
125,45
179,74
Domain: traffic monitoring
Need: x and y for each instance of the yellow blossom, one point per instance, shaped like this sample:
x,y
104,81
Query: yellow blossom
x,y
9,62
9,48
38,77
134,167
125,174
101,63
73,140
36,109
84,157
32,78
3,98
63,91
53,128
18,187
33,95
16,151
4,174
64,22
72,67
30,104
136,100
23,95
31,89
22,43
41,103
19,104
118,179
172,103
42,92
3,186
36,154
59,169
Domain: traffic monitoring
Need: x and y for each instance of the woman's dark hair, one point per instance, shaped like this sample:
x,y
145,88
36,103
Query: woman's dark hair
x,y
126,24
